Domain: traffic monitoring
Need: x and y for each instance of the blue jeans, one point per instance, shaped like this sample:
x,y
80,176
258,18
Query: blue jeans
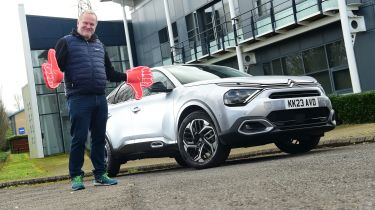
x,y
87,112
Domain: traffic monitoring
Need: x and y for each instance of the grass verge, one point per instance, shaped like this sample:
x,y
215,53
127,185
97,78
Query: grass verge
x,y
3,158
21,166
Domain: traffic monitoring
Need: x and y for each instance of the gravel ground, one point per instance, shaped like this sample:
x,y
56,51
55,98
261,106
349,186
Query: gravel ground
x,y
326,178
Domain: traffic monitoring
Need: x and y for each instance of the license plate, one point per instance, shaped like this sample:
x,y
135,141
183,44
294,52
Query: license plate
x,y
299,103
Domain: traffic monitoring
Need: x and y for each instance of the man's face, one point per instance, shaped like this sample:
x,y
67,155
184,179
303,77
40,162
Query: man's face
x,y
86,25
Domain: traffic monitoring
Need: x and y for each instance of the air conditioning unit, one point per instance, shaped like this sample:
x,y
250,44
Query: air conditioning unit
x,y
249,58
357,24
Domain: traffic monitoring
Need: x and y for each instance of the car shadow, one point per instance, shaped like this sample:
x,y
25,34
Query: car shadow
x,y
232,161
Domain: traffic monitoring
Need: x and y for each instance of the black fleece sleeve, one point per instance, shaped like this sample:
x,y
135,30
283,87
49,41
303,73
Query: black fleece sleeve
x,y
61,51
112,75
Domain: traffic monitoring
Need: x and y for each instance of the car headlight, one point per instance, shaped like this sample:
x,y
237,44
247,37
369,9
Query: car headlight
x,y
321,88
239,97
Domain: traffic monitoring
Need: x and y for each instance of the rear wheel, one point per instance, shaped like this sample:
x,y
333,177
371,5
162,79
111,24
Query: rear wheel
x,y
295,145
199,143
113,165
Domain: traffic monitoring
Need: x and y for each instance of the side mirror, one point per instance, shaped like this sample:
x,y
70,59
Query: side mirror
x,y
159,87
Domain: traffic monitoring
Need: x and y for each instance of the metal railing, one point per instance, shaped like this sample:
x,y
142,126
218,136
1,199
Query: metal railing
x,y
264,20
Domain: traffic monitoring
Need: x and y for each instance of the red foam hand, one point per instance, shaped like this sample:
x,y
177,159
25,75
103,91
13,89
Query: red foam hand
x,y
51,71
138,77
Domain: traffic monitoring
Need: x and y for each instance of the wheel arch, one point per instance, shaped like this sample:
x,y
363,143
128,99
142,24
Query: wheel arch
x,y
192,106
108,140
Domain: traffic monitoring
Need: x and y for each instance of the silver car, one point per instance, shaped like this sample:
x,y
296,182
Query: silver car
x,y
197,113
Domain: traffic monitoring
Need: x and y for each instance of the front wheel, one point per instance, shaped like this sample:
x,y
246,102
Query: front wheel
x,y
295,145
199,143
180,161
113,165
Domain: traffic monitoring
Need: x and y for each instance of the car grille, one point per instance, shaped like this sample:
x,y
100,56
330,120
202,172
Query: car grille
x,y
295,94
299,118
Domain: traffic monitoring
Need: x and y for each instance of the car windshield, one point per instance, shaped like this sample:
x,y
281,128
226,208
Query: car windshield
x,y
194,73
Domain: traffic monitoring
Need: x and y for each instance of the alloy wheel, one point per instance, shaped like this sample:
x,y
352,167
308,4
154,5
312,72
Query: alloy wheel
x,y
200,140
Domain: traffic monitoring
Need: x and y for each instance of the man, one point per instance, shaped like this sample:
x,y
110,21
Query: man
x,y
86,66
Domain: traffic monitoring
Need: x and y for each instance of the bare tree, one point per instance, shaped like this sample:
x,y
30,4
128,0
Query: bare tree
x,y
3,125
18,102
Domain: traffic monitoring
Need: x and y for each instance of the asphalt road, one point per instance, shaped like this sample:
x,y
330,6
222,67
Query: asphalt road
x,y
328,178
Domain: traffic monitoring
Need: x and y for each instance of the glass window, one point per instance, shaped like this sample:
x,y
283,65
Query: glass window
x,y
119,66
165,50
336,54
124,53
47,104
323,79
210,23
38,57
64,114
66,132
276,67
267,69
51,135
174,30
42,89
113,53
192,28
163,35
314,59
342,79
38,75
263,7
292,65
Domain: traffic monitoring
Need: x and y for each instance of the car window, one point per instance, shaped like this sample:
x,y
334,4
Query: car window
x,y
158,77
112,94
125,93
122,93
194,73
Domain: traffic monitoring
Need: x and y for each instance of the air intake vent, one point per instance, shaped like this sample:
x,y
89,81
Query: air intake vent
x,y
297,118
295,94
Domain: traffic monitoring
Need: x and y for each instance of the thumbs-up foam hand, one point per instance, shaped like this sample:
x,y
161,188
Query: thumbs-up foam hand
x,y
51,71
138,77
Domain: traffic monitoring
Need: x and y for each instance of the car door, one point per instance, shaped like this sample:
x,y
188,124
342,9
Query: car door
x,y
119,124
153,115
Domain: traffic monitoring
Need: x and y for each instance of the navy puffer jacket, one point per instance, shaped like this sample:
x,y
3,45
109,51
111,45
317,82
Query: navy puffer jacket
x,y
84,67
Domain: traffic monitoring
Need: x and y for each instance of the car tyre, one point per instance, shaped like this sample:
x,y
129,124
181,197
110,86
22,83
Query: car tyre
x,y
199,143
180,161
295,145
113,165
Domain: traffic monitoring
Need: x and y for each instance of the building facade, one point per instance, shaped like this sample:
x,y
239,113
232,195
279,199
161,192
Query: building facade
x,y
275,37
17,123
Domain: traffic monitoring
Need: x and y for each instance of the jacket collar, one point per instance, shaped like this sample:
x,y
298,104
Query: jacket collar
x,y
76,34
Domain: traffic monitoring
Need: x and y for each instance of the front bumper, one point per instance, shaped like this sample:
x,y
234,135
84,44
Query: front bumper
x,y
254,131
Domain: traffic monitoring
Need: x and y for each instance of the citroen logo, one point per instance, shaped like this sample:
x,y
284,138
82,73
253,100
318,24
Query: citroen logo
x,y
291,83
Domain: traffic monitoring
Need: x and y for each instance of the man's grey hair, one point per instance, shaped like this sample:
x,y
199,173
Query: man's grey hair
x,y
91,12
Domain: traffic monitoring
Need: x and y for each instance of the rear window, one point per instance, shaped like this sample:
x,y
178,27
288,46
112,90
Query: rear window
x,y
194,73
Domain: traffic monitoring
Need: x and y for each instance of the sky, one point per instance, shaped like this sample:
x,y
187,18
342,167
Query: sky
x,y
13,74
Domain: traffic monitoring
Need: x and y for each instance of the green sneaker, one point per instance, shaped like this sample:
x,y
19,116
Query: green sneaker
x,y
104,180
77,183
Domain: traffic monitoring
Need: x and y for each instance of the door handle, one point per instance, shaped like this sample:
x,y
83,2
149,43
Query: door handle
x,y
136,109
